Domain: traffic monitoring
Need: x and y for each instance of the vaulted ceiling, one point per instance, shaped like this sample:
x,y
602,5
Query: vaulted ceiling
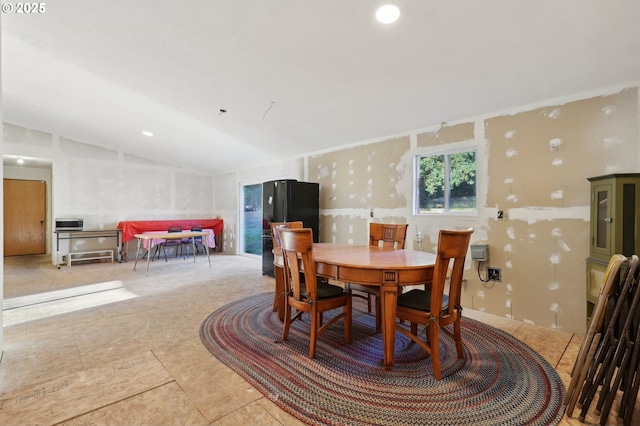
x,y
296,76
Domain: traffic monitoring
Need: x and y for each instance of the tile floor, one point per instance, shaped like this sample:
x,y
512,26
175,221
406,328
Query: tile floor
x,y
101,343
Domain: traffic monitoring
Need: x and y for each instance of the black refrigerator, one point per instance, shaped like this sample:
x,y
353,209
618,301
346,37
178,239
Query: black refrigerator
x,y
287,201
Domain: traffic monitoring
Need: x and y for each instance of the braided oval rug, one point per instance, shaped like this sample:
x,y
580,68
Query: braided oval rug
x,y
501,381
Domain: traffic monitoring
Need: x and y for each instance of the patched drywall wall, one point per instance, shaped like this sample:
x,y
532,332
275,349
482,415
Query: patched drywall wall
x,y
538,164
560,146
105,186
226,190
361,184
532,165
193,192
87,151
362,177
446,134
23,136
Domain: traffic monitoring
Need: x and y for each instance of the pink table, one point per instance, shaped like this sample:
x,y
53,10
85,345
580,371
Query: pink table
x,y
131,227
209,240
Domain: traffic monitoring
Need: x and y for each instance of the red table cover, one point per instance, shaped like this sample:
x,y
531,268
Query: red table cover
x,y
132,227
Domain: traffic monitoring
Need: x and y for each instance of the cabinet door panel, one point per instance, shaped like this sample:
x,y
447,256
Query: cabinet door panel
x,y
601,220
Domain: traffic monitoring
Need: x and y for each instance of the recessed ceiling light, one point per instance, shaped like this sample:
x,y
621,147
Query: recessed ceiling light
x,y
20,161
147,133
387,14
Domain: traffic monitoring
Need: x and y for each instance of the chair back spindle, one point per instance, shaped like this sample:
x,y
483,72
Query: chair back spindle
x,y
387,235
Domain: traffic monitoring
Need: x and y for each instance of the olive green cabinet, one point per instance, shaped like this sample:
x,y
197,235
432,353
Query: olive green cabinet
x,y
615,208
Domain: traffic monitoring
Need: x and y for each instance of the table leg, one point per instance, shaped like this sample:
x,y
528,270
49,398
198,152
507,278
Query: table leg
x,y
119,242
149,256
193,246
389,299
58,250
206,248
137,252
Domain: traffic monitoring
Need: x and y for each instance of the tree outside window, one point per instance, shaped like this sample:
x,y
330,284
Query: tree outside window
x,y
446,183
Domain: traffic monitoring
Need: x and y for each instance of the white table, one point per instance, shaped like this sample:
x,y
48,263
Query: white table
x,y
169,236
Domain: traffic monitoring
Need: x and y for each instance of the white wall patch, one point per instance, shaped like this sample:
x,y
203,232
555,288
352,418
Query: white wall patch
x,y
554,114
609,110
323,172
554,144
557,195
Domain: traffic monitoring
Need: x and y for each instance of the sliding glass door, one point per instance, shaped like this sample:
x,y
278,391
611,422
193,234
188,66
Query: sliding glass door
x,y
251,218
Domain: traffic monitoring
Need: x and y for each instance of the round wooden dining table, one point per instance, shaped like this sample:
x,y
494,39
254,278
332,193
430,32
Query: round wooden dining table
x,y
387,268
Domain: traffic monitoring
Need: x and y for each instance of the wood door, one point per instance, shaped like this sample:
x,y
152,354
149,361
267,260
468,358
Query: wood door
x,y
24,217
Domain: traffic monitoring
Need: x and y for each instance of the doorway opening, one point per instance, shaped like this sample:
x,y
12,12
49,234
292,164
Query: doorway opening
x,y
25,214
31,171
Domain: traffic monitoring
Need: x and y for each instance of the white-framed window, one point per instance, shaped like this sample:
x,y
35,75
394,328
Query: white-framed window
x,y
445,182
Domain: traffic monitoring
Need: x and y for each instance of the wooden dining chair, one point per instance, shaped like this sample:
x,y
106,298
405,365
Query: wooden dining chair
x,y
276,243
434,307
380,235
309,296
